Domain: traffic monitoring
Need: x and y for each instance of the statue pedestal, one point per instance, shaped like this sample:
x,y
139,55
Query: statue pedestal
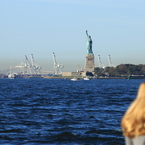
x,y
90,65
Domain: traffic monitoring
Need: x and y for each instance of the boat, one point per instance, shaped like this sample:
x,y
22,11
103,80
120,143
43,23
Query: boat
x,y
11,75
74,79
86,78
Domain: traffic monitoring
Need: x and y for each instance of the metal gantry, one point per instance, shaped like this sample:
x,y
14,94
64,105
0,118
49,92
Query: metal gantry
x,y
110,63
28,67
100,63
57,68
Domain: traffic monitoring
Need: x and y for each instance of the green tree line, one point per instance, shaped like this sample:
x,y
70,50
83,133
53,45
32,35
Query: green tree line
x,y
121,70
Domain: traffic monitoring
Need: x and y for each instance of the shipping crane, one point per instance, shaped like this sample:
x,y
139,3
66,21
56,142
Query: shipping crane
x,y
100,63
35,67
110,63
28,67
57,68
23,67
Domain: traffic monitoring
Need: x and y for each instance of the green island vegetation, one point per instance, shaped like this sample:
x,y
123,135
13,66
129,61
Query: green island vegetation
x,y
121,70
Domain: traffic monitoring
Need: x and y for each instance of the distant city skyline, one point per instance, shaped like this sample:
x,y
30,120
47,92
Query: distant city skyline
x,y
41,27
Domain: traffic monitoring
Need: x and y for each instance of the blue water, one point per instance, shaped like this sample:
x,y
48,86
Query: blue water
x,y
61,111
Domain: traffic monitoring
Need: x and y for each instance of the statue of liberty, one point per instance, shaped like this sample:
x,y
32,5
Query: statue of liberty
x,y
89,44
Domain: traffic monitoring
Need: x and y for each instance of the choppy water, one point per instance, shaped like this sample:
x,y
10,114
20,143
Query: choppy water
x,y
60,111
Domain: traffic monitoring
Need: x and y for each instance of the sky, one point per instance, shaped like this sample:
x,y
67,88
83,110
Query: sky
x,y
41,27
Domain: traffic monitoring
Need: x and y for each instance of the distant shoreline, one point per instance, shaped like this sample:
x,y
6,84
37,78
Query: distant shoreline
x,y
79,77
125,77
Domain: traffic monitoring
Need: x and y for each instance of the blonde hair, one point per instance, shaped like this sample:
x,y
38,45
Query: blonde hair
x,y
133,122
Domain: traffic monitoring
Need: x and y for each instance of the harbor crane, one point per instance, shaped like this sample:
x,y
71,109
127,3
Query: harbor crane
x,y
23,67
110,63
35,66
57,68
100,63
29,67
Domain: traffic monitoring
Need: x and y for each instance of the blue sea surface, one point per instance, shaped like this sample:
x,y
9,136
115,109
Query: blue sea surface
x,y
64,112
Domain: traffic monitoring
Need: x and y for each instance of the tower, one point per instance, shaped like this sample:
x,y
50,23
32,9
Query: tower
x,y
89,65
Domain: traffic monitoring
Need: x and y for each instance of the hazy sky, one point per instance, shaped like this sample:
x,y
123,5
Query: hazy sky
x,y
41,27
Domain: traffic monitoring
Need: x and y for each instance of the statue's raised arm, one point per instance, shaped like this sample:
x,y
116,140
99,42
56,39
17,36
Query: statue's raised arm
x,y
87,33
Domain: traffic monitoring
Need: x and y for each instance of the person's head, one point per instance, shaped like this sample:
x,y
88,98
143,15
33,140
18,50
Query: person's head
x,y
133,122
141,91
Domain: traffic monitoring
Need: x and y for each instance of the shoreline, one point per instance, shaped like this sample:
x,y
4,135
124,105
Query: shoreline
x,y
134,77
79,77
